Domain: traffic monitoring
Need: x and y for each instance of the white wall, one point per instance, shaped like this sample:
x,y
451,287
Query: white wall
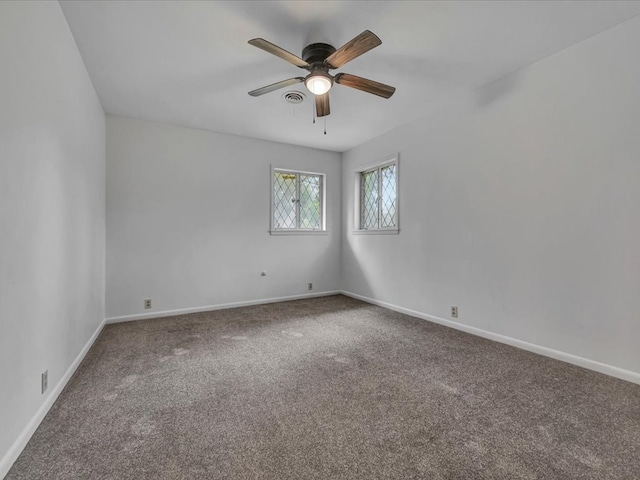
x,y
52,188
521,205
188,219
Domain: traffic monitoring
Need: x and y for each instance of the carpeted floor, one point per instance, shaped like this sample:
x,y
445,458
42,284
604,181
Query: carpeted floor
x,y
328,388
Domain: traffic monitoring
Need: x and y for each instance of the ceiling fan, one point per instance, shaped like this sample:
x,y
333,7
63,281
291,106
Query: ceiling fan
x,y
318,59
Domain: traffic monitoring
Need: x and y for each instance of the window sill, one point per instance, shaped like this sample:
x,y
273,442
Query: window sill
x,y
386,231
298,232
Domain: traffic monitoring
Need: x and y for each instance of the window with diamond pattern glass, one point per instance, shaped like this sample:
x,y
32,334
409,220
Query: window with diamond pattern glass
x,y
297,201
388,196
310,202
379,198
370,199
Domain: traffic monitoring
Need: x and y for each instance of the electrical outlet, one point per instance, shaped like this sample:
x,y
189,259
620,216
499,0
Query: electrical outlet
x,y
309,286
147,304
454,312
44,381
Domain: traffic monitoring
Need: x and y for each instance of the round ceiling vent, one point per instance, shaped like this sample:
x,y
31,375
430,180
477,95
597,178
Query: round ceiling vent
x,y
294,97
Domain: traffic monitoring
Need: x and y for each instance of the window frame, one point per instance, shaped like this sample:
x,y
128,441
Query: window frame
x,y
323,210
358,193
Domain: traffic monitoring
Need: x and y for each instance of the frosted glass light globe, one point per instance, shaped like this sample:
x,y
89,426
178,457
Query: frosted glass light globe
x,y
318,84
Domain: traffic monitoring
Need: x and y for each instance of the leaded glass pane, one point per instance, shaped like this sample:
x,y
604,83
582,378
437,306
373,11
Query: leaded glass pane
x,y
297,201
388,201
310,202
284,200
369,199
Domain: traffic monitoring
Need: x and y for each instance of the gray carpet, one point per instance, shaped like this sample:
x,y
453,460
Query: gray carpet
x,y
328,388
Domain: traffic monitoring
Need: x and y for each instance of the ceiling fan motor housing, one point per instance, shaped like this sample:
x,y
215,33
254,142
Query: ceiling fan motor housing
x,y
317,53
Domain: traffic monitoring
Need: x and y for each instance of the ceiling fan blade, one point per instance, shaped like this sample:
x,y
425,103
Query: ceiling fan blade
x,y
278,52
352,49
365,85
275,86
322,105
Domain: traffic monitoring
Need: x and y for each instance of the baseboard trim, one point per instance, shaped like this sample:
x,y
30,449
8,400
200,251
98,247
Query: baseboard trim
x,y
16,449
610,370
221,306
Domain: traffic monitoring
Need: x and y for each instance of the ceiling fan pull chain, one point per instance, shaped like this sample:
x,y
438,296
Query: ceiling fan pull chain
x,y
314,112
325,124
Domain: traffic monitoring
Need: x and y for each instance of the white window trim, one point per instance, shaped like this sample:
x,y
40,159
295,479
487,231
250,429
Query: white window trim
x,y
323,213
390,160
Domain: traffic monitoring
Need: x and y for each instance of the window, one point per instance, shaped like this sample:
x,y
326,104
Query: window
x,y
297,202
378,198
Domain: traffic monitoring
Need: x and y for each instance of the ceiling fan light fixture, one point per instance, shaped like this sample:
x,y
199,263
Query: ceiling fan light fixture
x,y
319,82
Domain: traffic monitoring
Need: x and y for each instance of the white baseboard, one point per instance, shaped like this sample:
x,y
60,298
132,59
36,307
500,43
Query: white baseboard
x,y
610,370
222,306
16,449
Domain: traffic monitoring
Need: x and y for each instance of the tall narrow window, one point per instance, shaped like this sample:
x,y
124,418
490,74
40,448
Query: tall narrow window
x,y
298,201
378,198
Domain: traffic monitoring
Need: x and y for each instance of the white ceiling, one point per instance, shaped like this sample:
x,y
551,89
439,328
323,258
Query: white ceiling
x,y
188,63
